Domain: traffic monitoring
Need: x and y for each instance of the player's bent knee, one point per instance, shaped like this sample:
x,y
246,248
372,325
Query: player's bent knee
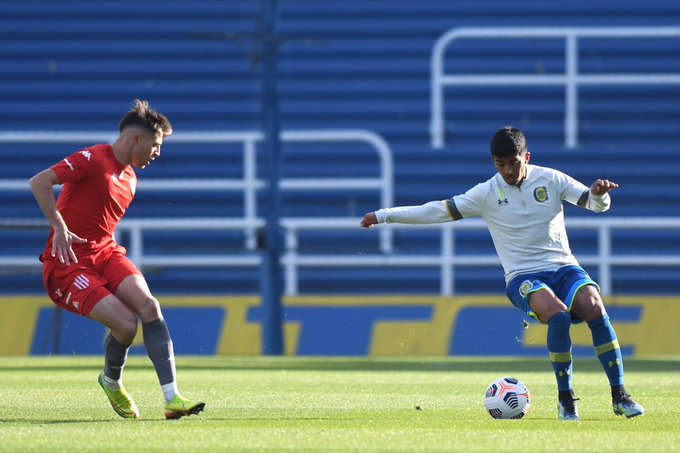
x,y
115,315
590,312
589,309
126,325
125,331
150,309
588,306
546,305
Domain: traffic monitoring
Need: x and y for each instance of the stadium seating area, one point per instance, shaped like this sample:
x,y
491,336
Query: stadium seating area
x,y
76,66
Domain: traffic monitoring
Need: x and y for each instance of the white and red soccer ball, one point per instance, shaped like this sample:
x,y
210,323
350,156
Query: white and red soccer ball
x,y
507,398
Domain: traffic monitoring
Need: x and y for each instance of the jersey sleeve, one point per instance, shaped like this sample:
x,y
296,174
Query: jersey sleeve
x,y
432,212
469,204
75,167
576,193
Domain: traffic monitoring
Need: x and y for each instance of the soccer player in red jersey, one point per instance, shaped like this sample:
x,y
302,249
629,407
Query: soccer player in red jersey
x,y
86,272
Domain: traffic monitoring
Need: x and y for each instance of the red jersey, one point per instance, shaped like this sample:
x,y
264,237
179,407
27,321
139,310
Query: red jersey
x,y
97,190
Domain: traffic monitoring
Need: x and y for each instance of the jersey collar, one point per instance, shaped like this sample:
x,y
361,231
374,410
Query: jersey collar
x,y
502,182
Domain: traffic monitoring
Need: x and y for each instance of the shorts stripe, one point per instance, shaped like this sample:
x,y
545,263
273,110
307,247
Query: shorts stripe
x,y
569,300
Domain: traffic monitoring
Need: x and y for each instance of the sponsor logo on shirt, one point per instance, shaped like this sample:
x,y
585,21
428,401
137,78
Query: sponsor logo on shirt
x,y
502,198
541,194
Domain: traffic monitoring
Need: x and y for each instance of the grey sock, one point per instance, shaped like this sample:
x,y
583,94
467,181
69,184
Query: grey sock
x,y
159,349
115,355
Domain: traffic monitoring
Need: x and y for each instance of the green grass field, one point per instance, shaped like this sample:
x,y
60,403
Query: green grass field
x,y
340,405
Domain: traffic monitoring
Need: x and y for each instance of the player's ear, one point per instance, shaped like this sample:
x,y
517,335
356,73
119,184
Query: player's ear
x,y
527,157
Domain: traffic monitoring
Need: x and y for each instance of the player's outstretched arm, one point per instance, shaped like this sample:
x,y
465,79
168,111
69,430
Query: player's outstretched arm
x,y
432,212
41,185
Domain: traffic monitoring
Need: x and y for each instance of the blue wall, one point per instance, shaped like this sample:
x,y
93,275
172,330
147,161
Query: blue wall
x,y
77,65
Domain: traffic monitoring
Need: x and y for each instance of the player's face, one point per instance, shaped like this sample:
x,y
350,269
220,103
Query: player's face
x,y
147,148
513,170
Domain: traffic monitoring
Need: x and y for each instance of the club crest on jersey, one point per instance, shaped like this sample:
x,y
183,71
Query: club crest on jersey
x,y
86,153
541,194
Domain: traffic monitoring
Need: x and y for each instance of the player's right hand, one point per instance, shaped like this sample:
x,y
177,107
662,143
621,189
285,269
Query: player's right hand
x,y
61,246
369,220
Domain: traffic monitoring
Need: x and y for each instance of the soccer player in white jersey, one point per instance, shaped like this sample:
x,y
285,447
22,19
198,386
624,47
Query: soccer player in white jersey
x,y
522,207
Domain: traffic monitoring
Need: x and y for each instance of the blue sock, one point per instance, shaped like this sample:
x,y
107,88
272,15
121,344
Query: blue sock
x,y
607,349
559,347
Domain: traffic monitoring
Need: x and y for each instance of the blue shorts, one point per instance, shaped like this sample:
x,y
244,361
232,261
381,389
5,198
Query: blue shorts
x,y
563,283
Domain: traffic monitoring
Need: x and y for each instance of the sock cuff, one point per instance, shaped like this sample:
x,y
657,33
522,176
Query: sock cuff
x,y
111,342
558,340
154,326
560,318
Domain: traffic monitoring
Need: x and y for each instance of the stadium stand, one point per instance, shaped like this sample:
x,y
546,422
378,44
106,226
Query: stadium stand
x,y
76,66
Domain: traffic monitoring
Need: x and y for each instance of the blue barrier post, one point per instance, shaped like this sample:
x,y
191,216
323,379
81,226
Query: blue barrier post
x,y
271,285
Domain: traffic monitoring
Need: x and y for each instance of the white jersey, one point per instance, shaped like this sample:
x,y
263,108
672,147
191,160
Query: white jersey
x,y
526,223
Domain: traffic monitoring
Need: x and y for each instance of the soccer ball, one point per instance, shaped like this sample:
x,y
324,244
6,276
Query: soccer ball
x,y
507,398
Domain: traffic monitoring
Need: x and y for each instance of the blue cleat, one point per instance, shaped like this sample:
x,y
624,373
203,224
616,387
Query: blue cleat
x,y
567,411
624,405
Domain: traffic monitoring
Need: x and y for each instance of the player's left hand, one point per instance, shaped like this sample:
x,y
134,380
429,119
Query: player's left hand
x,y
602,186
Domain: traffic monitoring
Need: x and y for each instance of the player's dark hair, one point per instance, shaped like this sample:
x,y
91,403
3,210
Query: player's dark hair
x,y
507,142
144,116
